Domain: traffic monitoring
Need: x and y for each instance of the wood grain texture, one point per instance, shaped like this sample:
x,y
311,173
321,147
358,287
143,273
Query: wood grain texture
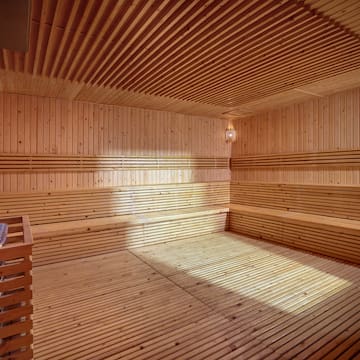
x,y
31,125
16,290
219,296
59,206
335,237
223,54
323,159
330,124
334,201
61,163
59,242
299,160
345,12
26,84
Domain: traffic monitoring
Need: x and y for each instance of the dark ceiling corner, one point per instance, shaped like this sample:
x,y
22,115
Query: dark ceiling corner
x,y
15,24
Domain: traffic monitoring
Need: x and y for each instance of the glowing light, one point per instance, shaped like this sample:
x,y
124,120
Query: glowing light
x,y
230,135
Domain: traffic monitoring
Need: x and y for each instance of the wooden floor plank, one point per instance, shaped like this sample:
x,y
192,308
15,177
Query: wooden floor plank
x,y
217,296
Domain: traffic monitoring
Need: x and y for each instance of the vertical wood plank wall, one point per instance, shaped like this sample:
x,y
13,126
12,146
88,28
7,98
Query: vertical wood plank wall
x,y
40,125
324,124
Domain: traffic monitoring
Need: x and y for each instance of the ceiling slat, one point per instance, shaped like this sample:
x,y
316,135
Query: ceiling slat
x,y
66,33
219,54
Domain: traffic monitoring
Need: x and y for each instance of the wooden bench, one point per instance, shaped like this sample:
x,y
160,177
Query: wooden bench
x,y
332,236
81,238
73,224
320,218
341,201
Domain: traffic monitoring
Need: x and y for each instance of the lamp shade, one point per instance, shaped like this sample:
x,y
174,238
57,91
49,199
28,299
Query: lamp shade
x,y
230,135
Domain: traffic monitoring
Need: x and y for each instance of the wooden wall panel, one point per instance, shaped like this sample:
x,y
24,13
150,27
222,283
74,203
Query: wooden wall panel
x,y
334,200
40,125
325,124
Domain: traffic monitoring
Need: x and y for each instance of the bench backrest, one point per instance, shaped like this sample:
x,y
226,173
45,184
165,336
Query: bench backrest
x,y
328,200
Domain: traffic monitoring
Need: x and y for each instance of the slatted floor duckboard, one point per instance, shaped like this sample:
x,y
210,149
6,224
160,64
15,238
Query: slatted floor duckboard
x,y
219,296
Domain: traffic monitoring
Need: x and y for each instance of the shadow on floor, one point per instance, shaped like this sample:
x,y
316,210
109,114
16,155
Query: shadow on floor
x,y
219,296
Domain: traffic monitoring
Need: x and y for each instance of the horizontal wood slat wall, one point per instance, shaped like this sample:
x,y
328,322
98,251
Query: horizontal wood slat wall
x,y
311,237
325,159
315,142
57,248
304,159
58,128
31,163
337,201
58,206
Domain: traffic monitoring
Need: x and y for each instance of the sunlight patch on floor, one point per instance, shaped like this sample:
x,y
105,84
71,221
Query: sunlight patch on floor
x,y
239,269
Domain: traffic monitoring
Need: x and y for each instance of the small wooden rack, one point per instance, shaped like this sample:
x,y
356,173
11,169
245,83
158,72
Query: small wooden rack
x,y
15,291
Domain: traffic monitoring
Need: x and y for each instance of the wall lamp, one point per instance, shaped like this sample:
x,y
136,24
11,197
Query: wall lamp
x,y
230,135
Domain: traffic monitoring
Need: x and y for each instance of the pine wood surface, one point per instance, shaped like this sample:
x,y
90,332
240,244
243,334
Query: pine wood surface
x,y
10,163
16,291
210,56
342,201
60,206
345,12
55,144
78,239
219,296
325,159
75,224
293,166
313,142
336,237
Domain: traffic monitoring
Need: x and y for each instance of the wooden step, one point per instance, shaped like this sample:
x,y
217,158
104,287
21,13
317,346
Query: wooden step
x,y
339,238
81,238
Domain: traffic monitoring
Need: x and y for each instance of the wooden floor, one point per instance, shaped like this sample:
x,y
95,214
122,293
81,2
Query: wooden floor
x,y
219,296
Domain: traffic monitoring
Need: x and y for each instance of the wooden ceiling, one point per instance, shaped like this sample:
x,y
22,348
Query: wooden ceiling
x,y
345,12
208,57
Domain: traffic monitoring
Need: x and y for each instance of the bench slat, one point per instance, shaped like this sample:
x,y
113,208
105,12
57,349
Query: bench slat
x,y
335,237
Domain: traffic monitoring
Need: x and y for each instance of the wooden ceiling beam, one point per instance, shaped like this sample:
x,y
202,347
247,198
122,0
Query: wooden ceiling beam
x,y
344,14
101,16
253,72
103,46
283,83
128,28
38,51
176,80
213,53
288,84
153,37
179,47
234,71
66,33
178,57
75,41
255,44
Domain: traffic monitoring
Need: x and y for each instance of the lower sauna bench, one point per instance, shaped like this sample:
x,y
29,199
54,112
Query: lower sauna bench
x,y
215,296
68,240
327,235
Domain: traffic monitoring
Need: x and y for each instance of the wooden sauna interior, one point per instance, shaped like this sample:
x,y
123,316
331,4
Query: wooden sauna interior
x,y
136,230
